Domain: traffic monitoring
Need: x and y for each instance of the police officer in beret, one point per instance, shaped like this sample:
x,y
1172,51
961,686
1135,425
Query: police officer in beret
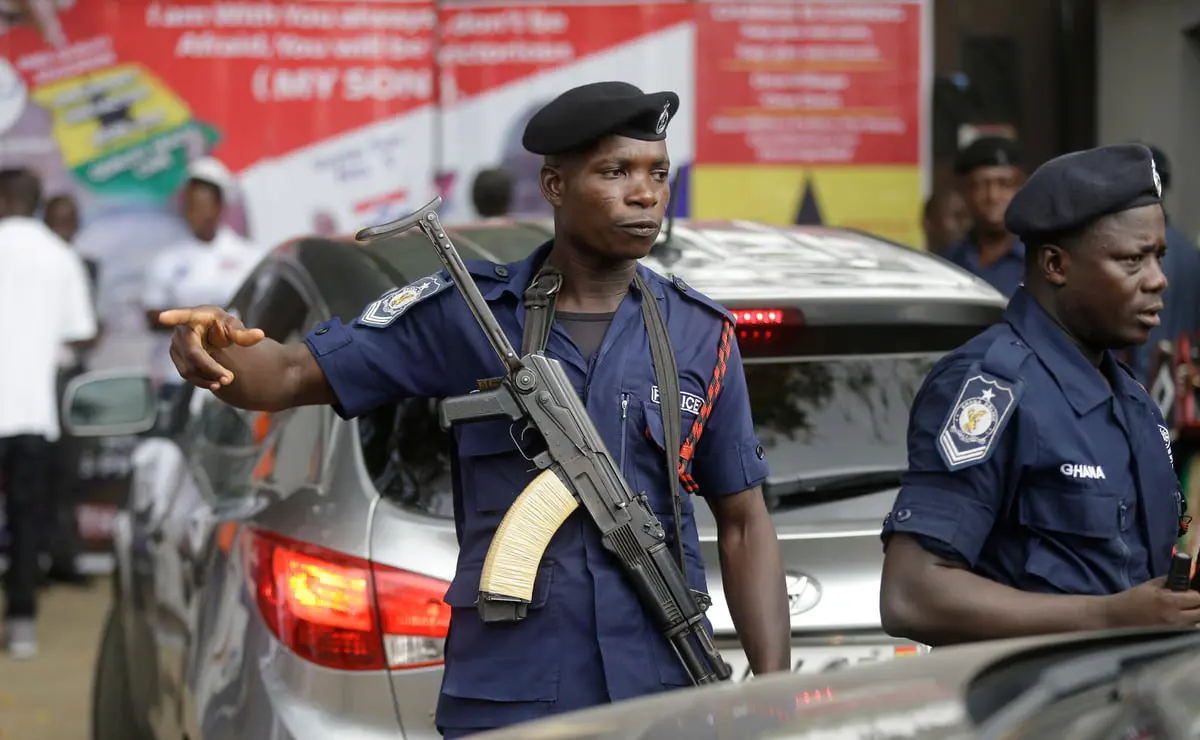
x,y
1040,495
586,639
990,173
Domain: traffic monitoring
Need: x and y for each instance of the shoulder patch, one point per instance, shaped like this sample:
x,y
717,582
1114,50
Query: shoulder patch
x,y
696,296
984,405
397,301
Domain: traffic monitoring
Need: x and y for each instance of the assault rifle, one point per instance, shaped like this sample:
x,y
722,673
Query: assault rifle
x,y
577,469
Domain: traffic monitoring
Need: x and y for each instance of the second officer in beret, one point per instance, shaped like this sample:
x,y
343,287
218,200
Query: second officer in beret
x,y
990,173
587,639
1040,495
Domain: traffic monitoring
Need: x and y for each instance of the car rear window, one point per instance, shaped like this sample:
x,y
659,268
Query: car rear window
x,y
821,416
825,418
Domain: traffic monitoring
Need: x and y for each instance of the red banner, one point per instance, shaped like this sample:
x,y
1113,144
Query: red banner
x,y
256,79
808,83
484,46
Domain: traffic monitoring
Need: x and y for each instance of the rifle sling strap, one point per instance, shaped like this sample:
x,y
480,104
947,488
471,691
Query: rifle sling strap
x,y
666,373
540,299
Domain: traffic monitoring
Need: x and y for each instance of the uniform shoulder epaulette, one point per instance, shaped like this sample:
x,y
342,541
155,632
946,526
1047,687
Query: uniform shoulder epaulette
x,y
986,400
696,296
393,304
491,271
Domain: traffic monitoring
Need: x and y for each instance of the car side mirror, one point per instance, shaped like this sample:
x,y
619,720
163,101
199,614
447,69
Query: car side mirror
x,y
109,404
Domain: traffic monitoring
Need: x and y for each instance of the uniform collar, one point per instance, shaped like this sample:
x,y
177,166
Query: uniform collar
x,y
1081,382
515,277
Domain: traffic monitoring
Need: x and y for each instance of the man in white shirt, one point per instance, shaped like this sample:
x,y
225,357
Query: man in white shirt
x,y
205,269
61,538
45,289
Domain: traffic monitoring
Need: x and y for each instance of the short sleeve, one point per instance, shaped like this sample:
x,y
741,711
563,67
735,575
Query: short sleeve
x,y
729,458
369,366
78,309
949,510
157,290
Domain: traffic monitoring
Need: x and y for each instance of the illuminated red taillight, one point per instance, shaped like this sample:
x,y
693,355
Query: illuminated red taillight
x,y
758,316
344,612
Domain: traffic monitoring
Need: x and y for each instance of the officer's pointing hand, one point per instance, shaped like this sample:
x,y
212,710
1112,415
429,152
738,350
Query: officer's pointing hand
x,y
198,333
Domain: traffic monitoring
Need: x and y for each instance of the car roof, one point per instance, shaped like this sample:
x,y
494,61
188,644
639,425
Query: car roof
x,y
732,261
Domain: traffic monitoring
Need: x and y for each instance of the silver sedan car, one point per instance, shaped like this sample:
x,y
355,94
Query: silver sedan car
x,y
282,575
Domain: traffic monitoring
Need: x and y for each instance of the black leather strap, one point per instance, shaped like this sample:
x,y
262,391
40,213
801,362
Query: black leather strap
x,y
540,297
666,373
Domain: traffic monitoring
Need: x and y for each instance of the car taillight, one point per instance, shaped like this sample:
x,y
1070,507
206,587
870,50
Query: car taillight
x,y
758,316
345,612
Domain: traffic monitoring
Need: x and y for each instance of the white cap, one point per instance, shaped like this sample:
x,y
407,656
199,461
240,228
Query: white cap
x,y
210,170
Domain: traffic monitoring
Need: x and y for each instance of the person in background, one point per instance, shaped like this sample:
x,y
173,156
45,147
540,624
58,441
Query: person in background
x,y
206,268
990,173
44,291
492,193
1181,264
62,543
944,220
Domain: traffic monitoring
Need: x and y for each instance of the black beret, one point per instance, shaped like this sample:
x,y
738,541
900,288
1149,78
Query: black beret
x,y
582,115
987,151
1075,189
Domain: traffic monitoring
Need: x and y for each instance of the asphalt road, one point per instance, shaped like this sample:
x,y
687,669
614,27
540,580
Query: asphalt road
x,y
49,697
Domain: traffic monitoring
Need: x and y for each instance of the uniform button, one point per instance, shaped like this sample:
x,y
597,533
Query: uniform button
x,y
679,283
903,515
759,451
322,330
501,271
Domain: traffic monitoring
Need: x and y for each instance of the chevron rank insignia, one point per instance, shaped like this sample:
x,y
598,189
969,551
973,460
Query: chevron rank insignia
x,y
978,418
394,303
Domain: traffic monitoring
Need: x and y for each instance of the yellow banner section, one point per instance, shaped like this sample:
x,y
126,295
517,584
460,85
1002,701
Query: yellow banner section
x,y
878,199
109,110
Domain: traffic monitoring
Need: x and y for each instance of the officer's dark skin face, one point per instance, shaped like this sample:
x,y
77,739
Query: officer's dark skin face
x,y
202,210
947,221
609,203
1106,286
988,191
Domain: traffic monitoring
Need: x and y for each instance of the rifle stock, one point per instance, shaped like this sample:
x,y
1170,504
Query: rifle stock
x,y
577,470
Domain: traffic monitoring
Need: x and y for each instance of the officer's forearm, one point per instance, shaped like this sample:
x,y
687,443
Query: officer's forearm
x,y
929,600
271,377
752,571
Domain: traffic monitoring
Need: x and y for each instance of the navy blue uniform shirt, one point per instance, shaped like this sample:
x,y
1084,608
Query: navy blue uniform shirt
x,y
1027,465
1005,274
587,639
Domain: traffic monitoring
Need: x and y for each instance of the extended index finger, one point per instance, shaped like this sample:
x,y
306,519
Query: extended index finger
x,y
176,316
